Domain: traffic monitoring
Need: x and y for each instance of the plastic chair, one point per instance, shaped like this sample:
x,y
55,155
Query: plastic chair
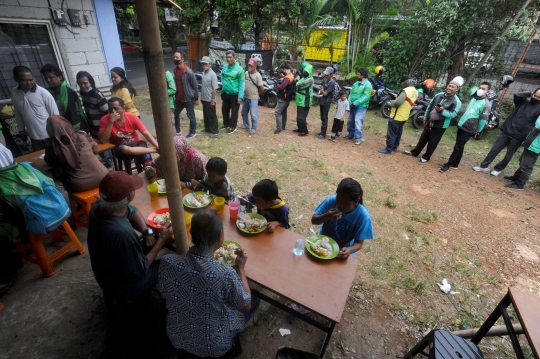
x,y
41,257
84,200
289,353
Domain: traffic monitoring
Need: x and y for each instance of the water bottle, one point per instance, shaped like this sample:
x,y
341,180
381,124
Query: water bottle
x,y
298,249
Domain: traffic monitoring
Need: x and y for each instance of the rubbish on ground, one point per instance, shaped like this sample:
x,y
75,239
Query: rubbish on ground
x,y
445,286
284,332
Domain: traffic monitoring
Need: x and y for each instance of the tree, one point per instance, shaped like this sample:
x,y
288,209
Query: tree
x,y
170,29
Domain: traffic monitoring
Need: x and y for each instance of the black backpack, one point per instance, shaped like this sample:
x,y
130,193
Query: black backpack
x,y
290,91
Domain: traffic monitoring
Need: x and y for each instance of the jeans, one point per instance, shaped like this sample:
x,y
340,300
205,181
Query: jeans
x,y
355,124
526,164
430,136
210,117
393,134
511,144
461,139
229,110
190,109
324,118
251,106
301,116
281,114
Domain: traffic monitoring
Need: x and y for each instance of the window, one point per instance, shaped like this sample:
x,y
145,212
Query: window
x,y
23,44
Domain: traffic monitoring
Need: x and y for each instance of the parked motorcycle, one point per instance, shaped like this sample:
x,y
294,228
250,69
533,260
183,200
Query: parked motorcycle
x,y
269,96
216,67
494,116
387,95
417,111
378,86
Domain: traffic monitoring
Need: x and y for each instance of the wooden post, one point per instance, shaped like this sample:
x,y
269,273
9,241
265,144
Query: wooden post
x,y
147,17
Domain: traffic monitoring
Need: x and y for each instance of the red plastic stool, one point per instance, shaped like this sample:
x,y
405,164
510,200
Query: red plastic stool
x,y
85,201
42,258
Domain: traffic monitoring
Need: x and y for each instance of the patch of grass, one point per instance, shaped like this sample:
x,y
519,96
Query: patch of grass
x,y
317,163
421,216
390,202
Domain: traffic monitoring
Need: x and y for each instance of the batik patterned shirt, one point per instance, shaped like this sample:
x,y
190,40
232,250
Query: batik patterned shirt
x,y
203,298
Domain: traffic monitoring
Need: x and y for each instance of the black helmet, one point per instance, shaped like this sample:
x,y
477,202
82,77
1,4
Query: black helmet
x,y
506,80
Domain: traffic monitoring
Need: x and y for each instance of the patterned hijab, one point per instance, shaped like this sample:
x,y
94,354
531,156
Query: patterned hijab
x,y
191,163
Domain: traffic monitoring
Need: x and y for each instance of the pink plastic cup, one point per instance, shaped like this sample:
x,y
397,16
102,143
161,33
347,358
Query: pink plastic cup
x,y
233,209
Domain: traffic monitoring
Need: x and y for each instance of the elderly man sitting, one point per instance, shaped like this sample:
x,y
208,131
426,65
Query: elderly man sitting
x,y
207,302
116,252
120,128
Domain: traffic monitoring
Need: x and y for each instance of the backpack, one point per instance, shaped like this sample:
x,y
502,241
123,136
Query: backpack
x,y
335,94
44,212
290,91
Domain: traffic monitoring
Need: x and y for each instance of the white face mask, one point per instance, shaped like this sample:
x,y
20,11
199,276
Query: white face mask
x,y
480,93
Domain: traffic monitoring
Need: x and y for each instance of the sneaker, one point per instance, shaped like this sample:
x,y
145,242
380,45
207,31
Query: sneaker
x,y
423,160
252,132
277,131
244,127
357,142
332,138
179,133
514,186
510,178
444,168
222,128
395,150
320,136
302,134
213,135
191,135
231,130
481,169
408,153
454,167
496,173
348,137
385,151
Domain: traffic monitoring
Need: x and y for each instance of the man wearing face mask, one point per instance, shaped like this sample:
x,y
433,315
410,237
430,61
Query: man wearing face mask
x,y
187,94
470,124
514,131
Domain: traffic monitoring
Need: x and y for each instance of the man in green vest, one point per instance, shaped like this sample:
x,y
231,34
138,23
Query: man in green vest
x,y
401,108
470,124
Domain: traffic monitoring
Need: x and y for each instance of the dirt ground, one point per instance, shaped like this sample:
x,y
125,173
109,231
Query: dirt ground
x,y
64,316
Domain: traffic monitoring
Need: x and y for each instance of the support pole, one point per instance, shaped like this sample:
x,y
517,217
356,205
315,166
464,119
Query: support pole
x,y
147,17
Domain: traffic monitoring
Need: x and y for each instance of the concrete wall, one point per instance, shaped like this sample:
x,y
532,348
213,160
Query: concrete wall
x,y
80,48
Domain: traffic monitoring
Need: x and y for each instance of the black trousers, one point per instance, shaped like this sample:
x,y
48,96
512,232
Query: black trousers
x,y
337,127
229,110
461,139
140,160
430,136
526,164
324,118
511,144
210,117
301,119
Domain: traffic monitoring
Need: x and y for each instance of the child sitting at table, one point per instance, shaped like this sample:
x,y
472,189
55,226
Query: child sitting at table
x,y
215,180
344,218
265,196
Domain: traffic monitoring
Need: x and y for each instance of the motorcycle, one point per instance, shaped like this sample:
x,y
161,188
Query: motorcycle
x,y
417,111
269,96
378,88
216,67
387,95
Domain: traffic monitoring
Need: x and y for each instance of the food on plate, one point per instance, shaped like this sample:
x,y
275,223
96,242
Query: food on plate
x,y
225,254
322,247
250,224
161,219
161,185
197,199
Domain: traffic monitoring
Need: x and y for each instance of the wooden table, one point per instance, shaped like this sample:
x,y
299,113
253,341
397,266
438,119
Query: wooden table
x,y
527,307
34,157
318,285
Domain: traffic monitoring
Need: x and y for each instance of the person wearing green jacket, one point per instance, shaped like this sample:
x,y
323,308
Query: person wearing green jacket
x,y
171,90
527,160
233,80
470,124
359,101
304,97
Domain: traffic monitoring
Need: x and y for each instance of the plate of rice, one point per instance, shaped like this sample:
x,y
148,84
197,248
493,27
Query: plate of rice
x,y
158,218
197,200
225,254
251,223
324,247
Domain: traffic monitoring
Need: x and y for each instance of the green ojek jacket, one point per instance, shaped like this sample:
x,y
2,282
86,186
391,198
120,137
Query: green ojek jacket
x,y
171,87
361,93
304,87
475,116
233,79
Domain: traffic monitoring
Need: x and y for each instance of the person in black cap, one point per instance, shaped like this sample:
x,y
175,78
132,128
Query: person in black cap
x,y
327,91
116,254
285,93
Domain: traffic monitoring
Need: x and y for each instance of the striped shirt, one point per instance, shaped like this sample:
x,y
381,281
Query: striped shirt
x,y
95,106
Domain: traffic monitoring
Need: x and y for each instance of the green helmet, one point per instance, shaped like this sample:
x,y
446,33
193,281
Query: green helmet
x,y
472,90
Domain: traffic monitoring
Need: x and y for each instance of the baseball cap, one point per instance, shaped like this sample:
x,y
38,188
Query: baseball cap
x,y
328,71
117,185
252,62
206,60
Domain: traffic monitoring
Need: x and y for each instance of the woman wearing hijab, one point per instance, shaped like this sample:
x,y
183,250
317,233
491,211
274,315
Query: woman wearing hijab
x,y
67,100
123,89
191,163
72,154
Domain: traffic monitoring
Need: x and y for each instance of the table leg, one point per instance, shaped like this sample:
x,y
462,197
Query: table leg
x,y
327,338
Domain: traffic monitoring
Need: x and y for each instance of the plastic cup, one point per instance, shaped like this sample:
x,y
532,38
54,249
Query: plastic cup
x,y
233,209
298,249
220,204
187,217
153,190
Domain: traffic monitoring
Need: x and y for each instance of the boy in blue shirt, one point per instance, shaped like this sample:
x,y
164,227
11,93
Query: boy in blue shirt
x,y
344,218
265,196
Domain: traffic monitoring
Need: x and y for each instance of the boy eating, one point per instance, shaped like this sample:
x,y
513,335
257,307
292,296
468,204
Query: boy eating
x,y
265,196
215,181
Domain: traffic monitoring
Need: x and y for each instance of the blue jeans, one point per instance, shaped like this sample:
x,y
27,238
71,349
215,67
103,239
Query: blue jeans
x,y
355,124
393,134
253,107
190,109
